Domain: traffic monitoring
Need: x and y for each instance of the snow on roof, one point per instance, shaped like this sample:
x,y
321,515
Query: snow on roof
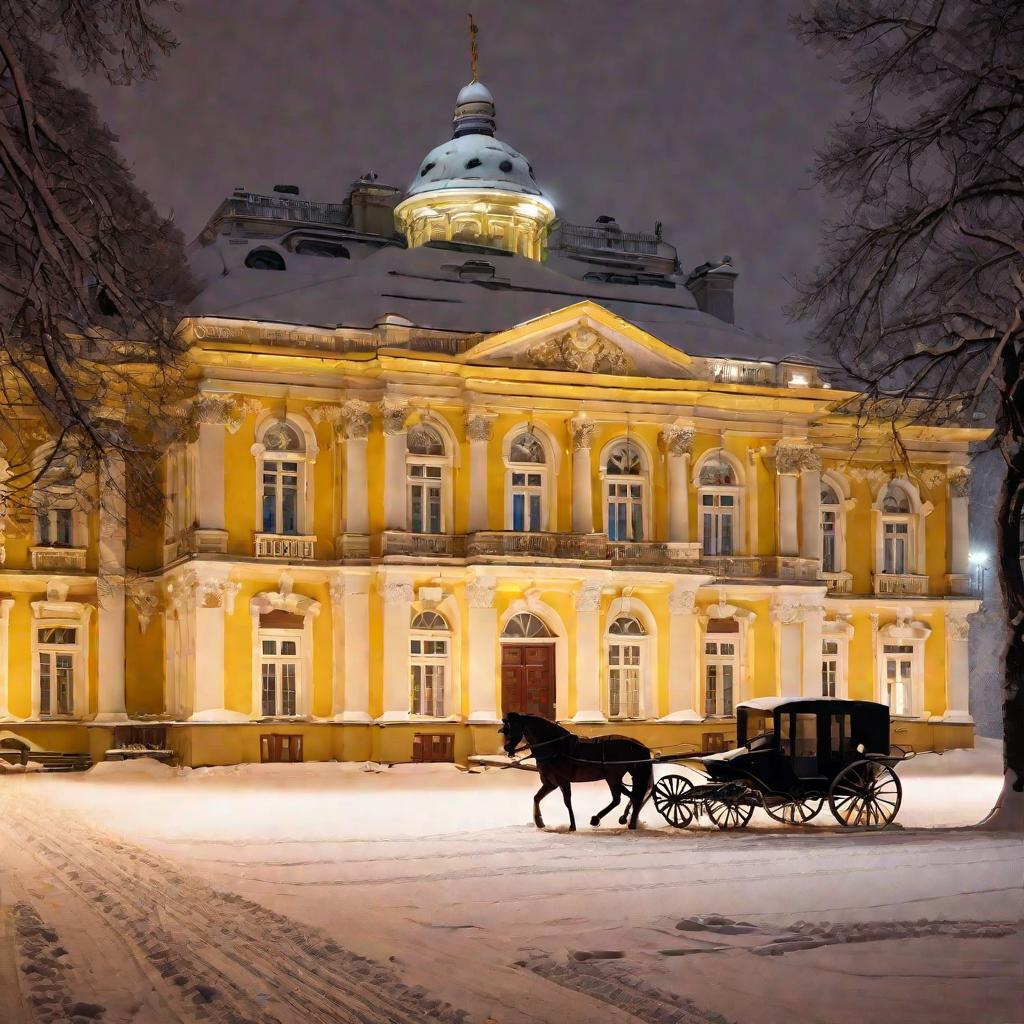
x,y
772,703
432,287
475,162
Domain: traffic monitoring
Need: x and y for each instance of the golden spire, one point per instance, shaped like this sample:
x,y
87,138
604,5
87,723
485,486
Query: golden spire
x,y
474,54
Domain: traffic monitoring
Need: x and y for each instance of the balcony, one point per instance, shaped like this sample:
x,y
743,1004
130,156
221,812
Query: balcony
x,y
838,582
509,544
61,559
771,567
292,547
400,544
899,584
646,552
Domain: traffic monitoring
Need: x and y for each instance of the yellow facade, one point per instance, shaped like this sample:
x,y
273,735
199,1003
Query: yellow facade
x,y
389,601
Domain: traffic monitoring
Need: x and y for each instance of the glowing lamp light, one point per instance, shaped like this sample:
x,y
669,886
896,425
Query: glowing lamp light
x,y
798,380
978,557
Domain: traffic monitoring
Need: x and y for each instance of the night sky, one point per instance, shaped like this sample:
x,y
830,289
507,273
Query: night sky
x,y
703,116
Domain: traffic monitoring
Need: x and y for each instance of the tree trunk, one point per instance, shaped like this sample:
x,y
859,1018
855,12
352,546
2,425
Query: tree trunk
x,y
1008,814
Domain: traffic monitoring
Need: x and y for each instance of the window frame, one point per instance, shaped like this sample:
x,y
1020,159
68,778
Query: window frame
x,y
715,510
296,660
422,660
78,651
903,633
444,463
717,659
640,480
304,459
541,490
618,643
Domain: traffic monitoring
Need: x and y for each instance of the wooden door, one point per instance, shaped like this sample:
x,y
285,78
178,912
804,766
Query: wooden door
x,y
528,679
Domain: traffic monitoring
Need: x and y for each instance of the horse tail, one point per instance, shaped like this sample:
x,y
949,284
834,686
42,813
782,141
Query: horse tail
x,y
643,780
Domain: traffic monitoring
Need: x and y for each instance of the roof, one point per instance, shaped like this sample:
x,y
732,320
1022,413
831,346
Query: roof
x,y
447,289
475,162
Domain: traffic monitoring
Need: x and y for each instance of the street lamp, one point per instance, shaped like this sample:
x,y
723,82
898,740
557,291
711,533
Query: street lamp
x,y
979,559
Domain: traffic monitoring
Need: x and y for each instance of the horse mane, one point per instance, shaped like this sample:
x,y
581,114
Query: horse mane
x,y
546,724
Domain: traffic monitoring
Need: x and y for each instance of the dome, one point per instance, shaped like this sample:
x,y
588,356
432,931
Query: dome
x,y
475,162
475,92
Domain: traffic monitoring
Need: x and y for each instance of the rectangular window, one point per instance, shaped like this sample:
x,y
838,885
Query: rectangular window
x,y
625,511
56,669
425,499
717,511
896,541
428,674
280,505
829,561
829,667
840,736
720,666
527,490
899,671
624,680
279,676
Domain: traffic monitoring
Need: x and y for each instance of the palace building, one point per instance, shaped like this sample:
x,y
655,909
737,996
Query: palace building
x,y
455,456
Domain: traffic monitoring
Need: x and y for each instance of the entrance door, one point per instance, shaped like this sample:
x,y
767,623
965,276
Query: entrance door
x,y
528,679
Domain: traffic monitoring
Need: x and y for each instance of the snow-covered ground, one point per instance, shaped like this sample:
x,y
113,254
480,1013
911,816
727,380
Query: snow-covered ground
x,y
254,893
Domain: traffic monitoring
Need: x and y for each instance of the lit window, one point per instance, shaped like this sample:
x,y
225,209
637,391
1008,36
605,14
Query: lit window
x,y
721,667
719,499
429,649
279,673
625,658
282,471
56,647
829,667
898,660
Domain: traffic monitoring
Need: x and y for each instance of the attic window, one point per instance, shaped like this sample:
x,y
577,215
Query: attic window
x,y
505,165
427,168
264,259
472,163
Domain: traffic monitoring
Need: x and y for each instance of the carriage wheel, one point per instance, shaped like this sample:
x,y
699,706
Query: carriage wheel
x,y
866,793
731,813
670,800
798,811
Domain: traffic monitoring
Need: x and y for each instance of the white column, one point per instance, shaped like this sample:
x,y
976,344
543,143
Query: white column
x,y
393,415
582,432
211,597
356,702
6,604
336,589
682,656
678,447
479,428
788,616
588,661
110,591
810,508
789,458
211,475
813,615
397,598
959,532
957,670
357,500
483,651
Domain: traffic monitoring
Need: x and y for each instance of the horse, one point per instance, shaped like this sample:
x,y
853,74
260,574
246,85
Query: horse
x,y
564,758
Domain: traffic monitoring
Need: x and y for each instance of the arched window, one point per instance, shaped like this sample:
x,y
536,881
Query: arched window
x,y
831,534
429,660
426,480
526,626
898,540
625,489
264,259
626,648
718,496
526,480
721,665
59,520
283,474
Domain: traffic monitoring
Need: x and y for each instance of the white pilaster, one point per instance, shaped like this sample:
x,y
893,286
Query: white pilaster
x,y
6,604
810,513
682,656
211,596
356,701
110,591
211,475
483,651
397,597
357,488
336,589
588,671
959,532
581,431
479,428
957,670
813,615
787,514
788,617
678,447
393,415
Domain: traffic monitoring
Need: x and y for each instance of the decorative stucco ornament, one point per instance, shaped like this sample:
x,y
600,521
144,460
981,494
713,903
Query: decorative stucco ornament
x,y
582,350
960,482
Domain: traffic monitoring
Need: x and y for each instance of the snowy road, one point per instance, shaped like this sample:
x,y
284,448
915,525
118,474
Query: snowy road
x,y
326,894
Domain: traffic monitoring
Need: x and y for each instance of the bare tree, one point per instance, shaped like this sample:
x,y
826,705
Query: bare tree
x,y
90,273
921,288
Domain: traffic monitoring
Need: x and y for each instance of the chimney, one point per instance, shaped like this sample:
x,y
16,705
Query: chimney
x,y
712,286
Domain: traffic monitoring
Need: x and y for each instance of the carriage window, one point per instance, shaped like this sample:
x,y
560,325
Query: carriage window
x,y
840,729
786,735
806,744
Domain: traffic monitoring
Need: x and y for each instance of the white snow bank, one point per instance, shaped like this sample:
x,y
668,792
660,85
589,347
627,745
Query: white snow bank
x,y
143,767
985,759
16,769
298,772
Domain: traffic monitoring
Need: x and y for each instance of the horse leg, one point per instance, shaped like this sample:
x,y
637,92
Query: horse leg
x,y
615,785
624,817
566,788
643,775
545,788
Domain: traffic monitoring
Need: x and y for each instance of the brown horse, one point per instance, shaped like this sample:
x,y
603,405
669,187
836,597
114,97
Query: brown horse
x,y
564,758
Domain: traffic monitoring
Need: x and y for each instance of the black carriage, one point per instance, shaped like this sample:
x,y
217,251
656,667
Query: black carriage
x,y
793,754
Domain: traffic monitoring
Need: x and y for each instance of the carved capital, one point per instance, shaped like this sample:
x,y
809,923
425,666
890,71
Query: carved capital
x,y
588,598
396,593
480,593
960,482
146,600
682,601
229,411
788,613
794,457
336,588
958,627
479,426
582,431
678,438
357,417
326,413
394,414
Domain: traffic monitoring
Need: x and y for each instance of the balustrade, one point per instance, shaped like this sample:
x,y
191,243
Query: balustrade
x,y
57,558
901,584
290,546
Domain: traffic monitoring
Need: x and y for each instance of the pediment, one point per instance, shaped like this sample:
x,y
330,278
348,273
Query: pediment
x,y
584,338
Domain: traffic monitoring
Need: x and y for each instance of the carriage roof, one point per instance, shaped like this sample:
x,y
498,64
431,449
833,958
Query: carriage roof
x,y
837,704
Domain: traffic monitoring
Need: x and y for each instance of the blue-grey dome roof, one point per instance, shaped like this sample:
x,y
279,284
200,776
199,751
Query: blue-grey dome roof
x,y
475,162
